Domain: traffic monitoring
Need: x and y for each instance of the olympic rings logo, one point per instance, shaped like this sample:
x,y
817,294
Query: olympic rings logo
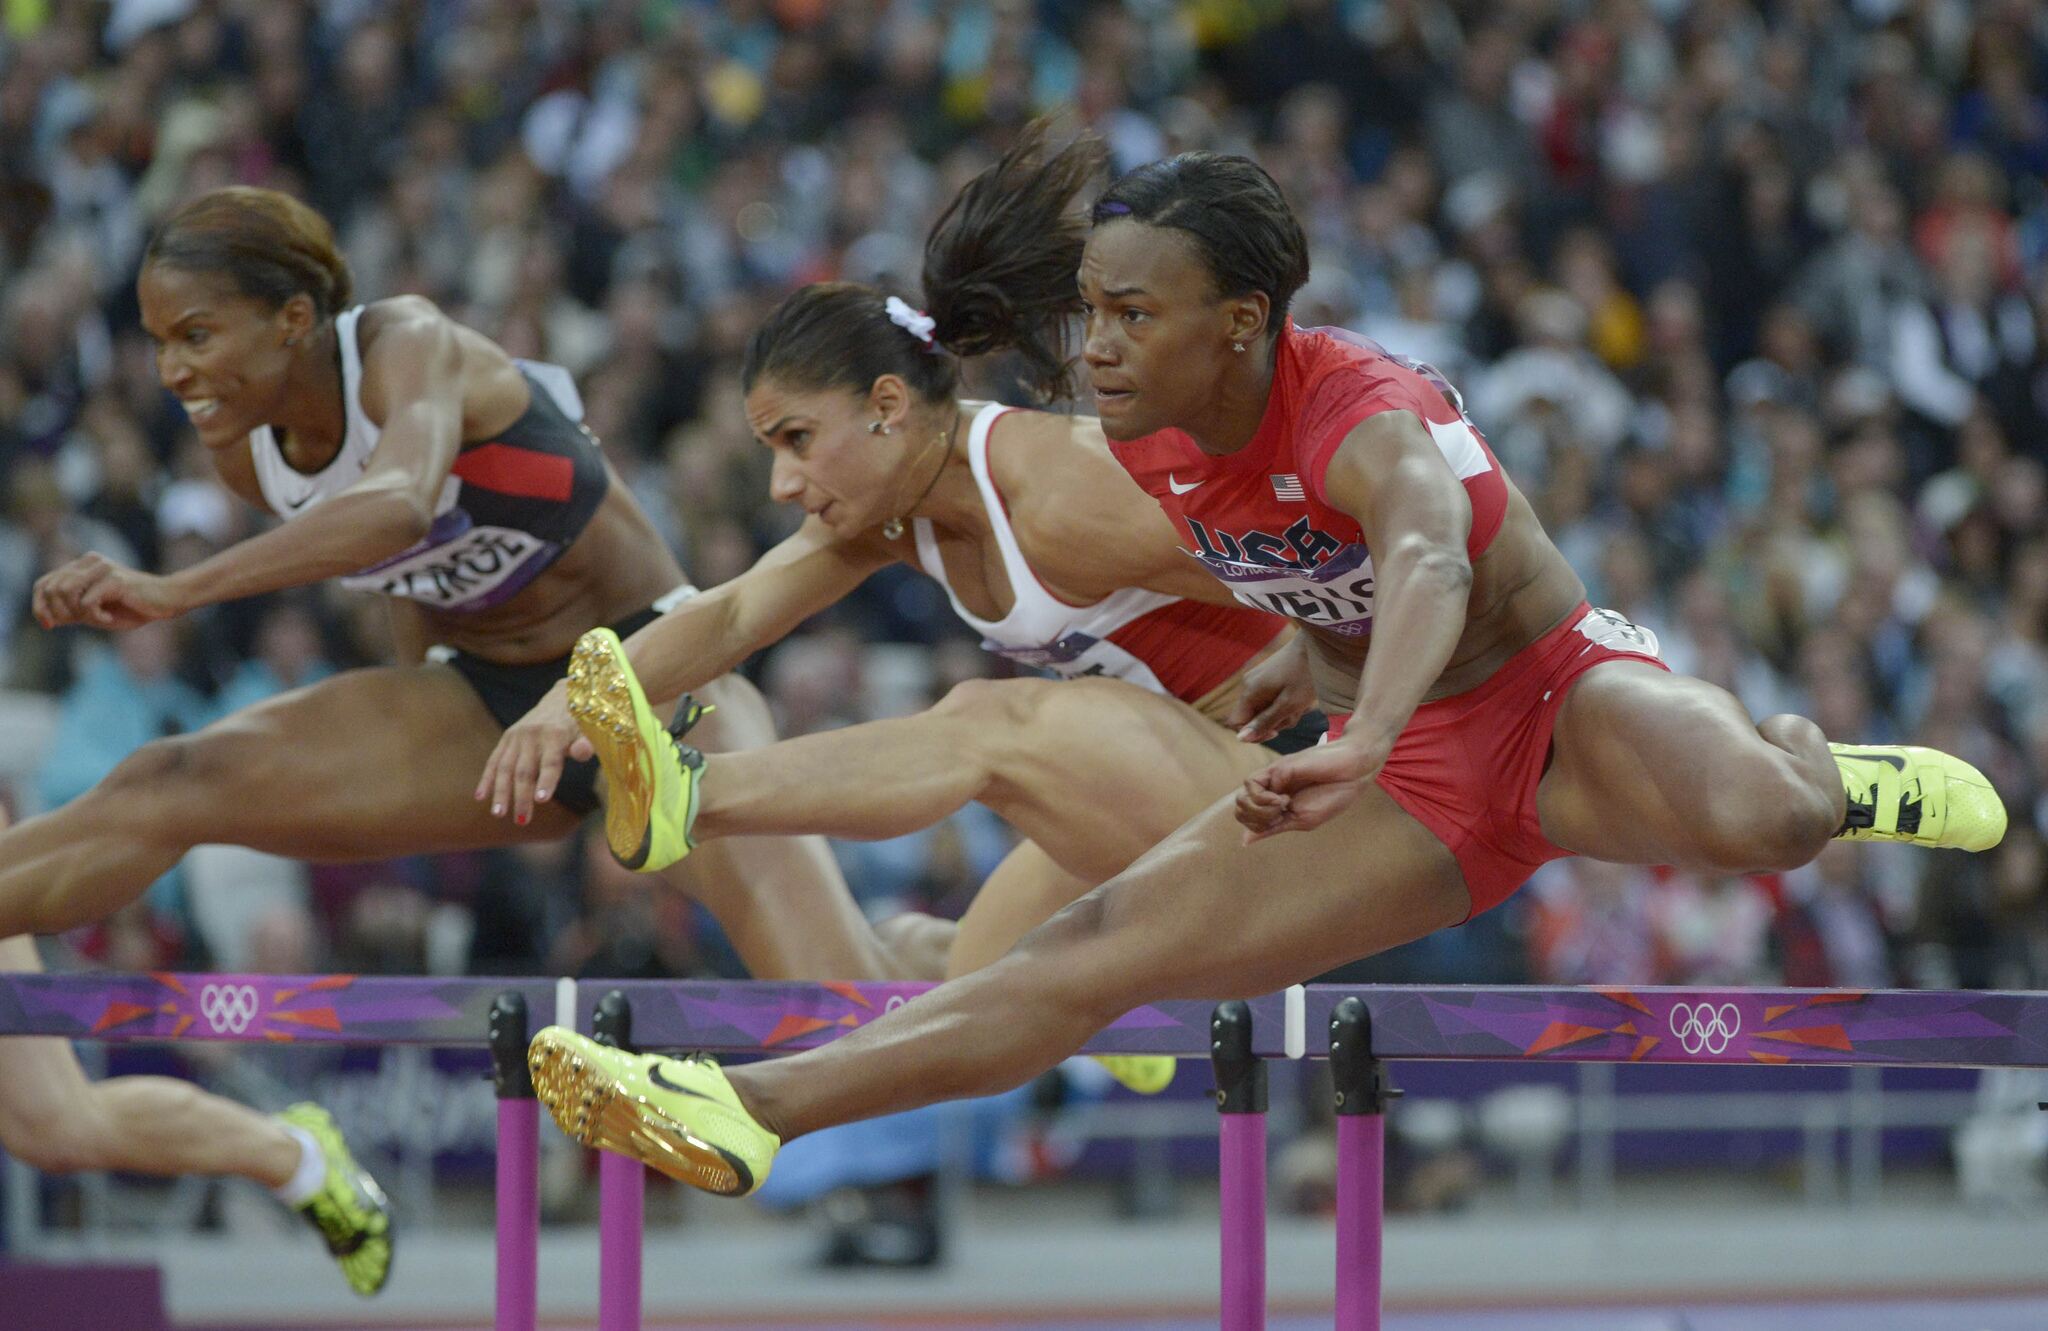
x,y
229,1007
1706,1028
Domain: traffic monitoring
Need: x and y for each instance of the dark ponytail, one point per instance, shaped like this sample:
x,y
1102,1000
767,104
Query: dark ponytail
x,y
999,274
1000,263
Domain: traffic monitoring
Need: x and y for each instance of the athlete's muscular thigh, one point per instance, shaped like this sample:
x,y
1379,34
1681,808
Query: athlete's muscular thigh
x,y
1097,771
1637,755
1202,915
362,765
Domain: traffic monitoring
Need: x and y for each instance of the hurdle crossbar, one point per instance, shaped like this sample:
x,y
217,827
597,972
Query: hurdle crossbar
x,y
1365,1025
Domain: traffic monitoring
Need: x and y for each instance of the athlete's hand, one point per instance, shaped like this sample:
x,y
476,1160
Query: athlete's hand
x,y
526,766
93,589
1306,789
1277,692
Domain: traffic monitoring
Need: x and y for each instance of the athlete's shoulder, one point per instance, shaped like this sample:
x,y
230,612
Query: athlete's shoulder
x,y
1337,369
400,315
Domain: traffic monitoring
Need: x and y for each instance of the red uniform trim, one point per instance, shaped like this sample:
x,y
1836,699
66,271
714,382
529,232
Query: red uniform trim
x,y
512,470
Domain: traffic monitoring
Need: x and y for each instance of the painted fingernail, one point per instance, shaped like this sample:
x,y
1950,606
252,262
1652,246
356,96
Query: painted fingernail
x,y
497,811
521,820
541,794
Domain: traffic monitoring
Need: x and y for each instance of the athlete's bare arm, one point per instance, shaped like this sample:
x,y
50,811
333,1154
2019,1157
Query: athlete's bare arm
x,y
696,642
414,384
1389,475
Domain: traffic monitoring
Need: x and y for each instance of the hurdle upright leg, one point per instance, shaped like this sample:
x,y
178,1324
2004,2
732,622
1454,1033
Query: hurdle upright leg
x,y
1241,1131
1362,1094
518,1168
622,1197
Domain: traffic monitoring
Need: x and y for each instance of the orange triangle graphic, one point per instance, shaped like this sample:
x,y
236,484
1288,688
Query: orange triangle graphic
x,y
170,982
790,1027
1763,1057
1777,1010
321,1018
331,982
179,1029
850,992
1820,1037
1561,1033
1626,999
280,1037
1626,1028
283,995
1844,996
1644,1046
118,1014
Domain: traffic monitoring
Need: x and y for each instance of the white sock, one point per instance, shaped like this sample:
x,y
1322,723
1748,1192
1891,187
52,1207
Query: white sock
x,y
311,1175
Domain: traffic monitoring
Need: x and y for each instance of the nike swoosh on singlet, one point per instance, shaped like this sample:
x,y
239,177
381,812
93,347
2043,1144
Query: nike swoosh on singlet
x,y
1177,487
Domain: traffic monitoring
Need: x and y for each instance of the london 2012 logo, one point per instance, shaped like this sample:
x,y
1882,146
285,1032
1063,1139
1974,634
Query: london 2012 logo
x,y
229,1008
1707,1028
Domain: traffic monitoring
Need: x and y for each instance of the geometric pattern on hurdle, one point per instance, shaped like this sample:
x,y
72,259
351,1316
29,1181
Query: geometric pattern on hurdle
x,y
1358,1027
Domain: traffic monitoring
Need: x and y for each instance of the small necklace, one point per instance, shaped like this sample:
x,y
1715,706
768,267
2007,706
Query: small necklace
x,y
893,528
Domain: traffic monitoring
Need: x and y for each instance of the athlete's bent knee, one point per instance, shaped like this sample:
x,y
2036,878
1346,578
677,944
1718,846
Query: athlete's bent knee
x,y
167,784
994,702
1779,824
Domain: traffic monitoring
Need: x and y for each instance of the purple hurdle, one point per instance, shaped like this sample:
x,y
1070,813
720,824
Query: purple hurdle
x,y
1241,1134
518,1168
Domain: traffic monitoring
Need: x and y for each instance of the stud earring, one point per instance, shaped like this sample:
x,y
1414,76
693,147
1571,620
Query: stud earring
x,y
1237,347
877,427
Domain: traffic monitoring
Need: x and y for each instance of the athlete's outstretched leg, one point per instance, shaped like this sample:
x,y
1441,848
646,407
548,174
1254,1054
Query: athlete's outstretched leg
x,y
364,765
1199,916
1095,771
54,1119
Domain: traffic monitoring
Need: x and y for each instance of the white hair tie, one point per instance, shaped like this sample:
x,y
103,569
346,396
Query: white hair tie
x,y
914,322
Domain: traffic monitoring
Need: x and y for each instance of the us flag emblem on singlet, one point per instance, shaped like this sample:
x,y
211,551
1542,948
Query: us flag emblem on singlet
x,y
1288,489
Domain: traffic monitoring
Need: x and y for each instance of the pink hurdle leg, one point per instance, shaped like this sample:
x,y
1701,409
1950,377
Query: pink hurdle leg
x,y
622,1185
1241,1126
518,1168
1362,1095
622,1198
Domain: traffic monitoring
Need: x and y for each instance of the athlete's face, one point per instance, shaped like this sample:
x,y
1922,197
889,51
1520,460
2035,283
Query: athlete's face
x,y
223,354
1158,334
826,457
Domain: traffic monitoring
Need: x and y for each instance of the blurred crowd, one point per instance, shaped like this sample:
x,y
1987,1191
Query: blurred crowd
x,y
1750,296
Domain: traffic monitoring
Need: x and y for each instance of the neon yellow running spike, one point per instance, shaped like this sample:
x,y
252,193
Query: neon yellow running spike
x,y
1147,1074
650,776
677,1115
1920,796
350,1210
